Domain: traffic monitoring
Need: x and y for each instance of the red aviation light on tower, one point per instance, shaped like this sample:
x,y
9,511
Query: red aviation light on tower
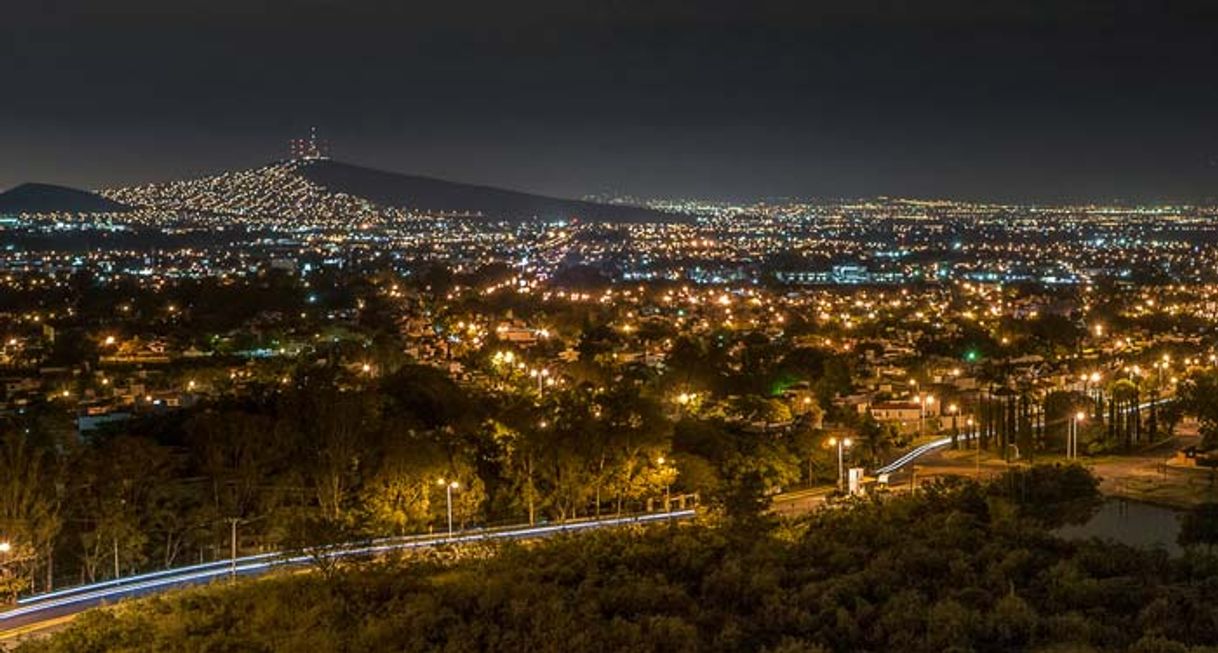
x,y
310,148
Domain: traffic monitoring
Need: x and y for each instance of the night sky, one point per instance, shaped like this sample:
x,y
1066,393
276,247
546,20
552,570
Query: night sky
x,y
736,100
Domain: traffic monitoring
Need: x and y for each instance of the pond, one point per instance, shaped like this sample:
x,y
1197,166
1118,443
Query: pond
x,y
1141,525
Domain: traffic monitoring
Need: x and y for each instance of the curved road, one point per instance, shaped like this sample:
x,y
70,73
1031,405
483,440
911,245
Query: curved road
x,y
918,452
40,611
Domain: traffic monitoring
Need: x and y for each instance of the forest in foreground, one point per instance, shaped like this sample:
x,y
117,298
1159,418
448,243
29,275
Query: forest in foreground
x,y
956,567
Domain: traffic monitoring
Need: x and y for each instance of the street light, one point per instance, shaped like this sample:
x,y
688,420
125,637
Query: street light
x,y
923,403
542,375
1091,388
684,400
6,546
449,486
968,423
667,486
842,443
1072,435
952,409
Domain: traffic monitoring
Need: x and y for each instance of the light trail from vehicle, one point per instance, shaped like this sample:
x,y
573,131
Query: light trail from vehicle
x,y
83,596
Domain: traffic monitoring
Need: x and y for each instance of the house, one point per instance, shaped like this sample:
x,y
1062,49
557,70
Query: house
x,y
896,411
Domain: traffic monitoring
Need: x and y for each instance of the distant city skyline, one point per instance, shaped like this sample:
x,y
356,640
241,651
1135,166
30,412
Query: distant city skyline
x,y
1062,101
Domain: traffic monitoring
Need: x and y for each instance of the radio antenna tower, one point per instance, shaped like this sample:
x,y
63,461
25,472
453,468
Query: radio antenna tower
x,y
310,148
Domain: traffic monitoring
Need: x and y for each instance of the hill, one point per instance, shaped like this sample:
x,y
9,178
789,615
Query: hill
x,y
329,191
432,195
48,198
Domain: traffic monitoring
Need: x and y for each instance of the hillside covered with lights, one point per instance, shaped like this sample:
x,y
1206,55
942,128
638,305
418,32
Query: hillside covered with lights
x,y
317,188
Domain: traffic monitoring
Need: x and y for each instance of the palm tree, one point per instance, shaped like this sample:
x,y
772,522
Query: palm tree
x,y
875,439
1124,394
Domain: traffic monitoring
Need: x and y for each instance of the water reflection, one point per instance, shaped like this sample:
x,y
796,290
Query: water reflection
x,y
1136,524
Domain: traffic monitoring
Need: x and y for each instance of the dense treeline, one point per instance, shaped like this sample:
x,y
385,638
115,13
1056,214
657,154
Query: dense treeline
x,y
957,567
325,455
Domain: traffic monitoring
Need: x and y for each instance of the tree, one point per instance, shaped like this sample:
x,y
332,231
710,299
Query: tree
x,y
1170,415
633,436
397,497
875,439
117,483
341,431
30,517
807,444
754,409
1199,396
1199,526
517,435
1050,495
241,458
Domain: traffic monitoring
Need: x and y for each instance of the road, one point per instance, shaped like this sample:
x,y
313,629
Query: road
x,y
39,612
916,453
935,445
800,501
1112,471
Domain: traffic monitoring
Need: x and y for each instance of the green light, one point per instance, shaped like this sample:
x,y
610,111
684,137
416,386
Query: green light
x,y
970,356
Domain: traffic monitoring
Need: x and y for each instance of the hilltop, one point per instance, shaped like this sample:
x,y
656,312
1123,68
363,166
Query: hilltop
x,y
433,195
49,198
319,188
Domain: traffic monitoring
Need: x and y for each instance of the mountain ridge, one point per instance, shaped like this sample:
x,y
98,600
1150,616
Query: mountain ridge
x,y
432,194
334,191
39,198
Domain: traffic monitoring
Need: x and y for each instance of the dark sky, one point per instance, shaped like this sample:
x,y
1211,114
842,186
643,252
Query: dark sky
x,y
742,99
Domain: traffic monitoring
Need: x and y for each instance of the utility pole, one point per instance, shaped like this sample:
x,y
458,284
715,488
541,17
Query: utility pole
x,y
840,443
667,496
976,436
232,569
